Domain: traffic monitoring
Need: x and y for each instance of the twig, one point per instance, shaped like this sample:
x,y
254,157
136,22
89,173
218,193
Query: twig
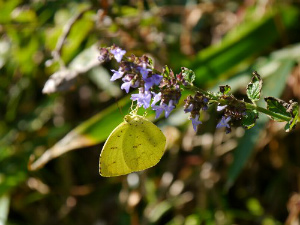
x,y
56,53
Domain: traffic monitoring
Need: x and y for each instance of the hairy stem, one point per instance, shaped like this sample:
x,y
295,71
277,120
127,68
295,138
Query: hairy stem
x,y
248,105
268,112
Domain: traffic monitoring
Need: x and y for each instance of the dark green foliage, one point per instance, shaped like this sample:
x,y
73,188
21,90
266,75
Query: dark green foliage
x,y
249,120
278,106
188,186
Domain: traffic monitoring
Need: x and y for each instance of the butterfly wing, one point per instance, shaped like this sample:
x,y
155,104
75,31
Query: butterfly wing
x,y
112,161
134,145
143,144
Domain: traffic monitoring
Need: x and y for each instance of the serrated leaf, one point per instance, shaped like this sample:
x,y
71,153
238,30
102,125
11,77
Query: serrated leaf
x,y
188,75
291,125
249,119
224,89
277,106
254,87
294,111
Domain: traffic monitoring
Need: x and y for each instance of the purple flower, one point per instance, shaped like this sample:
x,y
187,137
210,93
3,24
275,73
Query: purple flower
x,y
157,78
118,53
156,98
163,107
150,81
224,122
104,55
142,98
195,122
205,100
159,109
117,75
169,108
221,107
128,82
126,86
189,108
144,71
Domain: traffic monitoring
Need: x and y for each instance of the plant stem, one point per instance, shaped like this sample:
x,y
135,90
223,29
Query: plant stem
x,y
248,106
207,93
268,112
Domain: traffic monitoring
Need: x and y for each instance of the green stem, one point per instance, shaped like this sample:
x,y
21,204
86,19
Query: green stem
x,y
207,93
268,112
248,105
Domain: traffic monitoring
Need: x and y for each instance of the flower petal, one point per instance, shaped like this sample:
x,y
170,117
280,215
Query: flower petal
x,y
126,86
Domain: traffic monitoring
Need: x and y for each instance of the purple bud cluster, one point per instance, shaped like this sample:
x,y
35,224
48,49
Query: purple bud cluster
x,y
106,54
170,92
234,111
193,105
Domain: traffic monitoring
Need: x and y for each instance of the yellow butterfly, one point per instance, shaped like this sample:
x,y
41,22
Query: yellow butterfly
x,y
136,144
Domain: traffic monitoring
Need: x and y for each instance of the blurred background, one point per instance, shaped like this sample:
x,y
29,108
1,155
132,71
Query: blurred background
x,y
55,97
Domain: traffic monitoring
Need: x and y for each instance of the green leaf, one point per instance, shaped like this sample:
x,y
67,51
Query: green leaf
x,y
254,87
24,15
188,75
79,32
277,106
6,9
294,111
224,89
291,124
249,119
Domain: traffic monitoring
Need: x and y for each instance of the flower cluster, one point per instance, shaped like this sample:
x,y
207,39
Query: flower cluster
x,y
234,110
161,91
106,54
194,105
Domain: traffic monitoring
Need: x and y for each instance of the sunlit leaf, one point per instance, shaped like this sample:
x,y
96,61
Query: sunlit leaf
x,y
188,75
254,87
